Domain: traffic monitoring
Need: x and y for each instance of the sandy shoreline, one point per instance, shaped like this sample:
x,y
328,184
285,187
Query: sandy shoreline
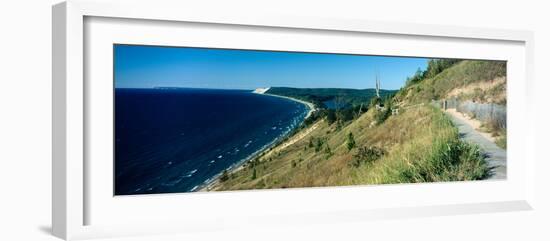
x,y
211,183
310,106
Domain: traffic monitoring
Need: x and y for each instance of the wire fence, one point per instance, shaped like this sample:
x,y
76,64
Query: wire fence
x,y
492,114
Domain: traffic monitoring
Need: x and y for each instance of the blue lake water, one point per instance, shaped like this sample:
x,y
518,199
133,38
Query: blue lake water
x,y
174,140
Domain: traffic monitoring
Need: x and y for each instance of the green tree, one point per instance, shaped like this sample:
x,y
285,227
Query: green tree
x,y
417,77
318,145
253,174
225,176
436,66
383,114
351,141
327,149
331,116
345,115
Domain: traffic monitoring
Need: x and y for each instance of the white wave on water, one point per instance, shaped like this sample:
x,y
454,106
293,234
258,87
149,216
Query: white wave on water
x,y
243,160
167,165
176,180
190,173
211,162
285,130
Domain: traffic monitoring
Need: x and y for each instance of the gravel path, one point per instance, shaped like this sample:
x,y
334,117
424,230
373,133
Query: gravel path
x,y
495,156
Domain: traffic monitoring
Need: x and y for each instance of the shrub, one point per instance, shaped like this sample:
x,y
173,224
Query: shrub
x,y
225,176
318,145
350,142
501,140
436,154
367,155
384,113
331,116
328,151
253,174
449,160
338,125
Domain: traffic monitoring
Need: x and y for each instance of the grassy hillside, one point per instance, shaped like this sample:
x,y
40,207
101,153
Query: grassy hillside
x,y
419,144
406,154
483,81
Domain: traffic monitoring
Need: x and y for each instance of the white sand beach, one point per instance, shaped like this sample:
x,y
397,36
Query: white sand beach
x,y
310,106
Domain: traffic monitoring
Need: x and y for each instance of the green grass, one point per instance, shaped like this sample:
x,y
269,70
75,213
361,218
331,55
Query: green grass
x,y
459,75
439,156
434,154
420,144
501,140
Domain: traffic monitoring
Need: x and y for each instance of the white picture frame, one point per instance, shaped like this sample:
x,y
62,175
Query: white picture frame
x,y
73,187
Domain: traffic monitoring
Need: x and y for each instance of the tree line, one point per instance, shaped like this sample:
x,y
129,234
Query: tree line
x,y
435,66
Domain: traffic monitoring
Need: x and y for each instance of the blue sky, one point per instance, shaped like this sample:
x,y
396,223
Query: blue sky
x,y
151,66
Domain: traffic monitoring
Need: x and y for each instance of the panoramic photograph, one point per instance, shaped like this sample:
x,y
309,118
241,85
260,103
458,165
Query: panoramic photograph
x,y
190,119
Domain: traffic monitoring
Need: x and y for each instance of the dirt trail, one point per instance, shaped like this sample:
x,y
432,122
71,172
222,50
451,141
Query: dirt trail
x,y
495,156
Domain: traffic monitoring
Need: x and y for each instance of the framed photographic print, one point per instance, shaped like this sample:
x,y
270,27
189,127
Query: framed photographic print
x,y
202,119
178,121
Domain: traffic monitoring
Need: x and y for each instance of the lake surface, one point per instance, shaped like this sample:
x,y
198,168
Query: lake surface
x,y
174,140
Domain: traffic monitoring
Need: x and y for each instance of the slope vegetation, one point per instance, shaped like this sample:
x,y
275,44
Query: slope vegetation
x,y
467,79
417,143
